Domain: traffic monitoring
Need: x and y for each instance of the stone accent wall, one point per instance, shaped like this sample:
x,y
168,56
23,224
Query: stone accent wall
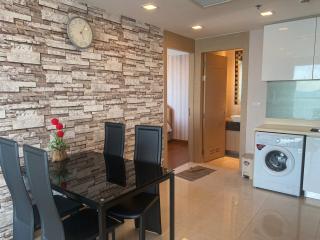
x,y
42,75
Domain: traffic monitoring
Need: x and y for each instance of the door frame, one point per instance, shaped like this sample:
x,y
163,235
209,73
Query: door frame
x,y
221,43
190,105
202,95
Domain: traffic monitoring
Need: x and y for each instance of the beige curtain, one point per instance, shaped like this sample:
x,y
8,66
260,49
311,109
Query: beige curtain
x,y
178,94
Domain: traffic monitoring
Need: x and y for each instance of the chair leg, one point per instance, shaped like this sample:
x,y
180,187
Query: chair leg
x,y
142,231
113,234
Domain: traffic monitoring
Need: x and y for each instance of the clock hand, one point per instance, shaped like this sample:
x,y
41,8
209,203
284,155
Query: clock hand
x,y
84,26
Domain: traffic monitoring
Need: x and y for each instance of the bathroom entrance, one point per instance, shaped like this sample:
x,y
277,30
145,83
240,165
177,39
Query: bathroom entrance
x,y
221,105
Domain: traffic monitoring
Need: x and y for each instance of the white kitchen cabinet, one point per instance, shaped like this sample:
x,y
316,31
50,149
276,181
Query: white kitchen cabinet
x,y
311,181
288,50
316,70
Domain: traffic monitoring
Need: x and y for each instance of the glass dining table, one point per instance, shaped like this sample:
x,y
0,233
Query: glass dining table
x,y
102,182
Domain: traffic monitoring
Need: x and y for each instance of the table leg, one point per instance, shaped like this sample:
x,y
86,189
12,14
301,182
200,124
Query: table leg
x,y
172,225
102,224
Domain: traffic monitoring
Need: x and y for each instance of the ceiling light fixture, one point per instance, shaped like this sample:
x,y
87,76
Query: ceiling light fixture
x,y
266,13
149,6
197,27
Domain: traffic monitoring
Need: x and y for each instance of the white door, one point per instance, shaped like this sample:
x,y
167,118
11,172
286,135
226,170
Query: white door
x,y
311,182
316,70
288,50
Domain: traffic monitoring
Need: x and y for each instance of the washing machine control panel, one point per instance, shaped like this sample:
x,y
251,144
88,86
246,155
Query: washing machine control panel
x,y
276,139
287,141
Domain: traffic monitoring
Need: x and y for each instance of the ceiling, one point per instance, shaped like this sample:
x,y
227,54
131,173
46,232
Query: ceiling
x,y
237,16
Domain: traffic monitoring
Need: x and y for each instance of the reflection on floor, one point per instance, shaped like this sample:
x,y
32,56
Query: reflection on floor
x,y
177,153
224,206
226,162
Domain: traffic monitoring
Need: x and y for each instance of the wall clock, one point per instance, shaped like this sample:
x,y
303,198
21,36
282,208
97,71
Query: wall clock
x,y
80,32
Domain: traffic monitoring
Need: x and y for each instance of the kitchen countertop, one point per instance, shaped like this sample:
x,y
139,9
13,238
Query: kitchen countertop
x,y
290,129
233,126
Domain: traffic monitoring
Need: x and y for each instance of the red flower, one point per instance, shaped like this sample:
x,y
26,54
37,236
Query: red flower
x,y
54,121
60,133
59,126
63,184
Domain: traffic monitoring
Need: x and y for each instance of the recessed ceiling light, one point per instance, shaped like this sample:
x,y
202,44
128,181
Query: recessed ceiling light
x,y
149,6
266,13
197,27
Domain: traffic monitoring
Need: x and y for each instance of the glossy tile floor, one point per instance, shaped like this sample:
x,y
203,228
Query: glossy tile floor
x,y
224,206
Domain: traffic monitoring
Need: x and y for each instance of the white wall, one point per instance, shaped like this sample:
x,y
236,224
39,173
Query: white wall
x,y
178,93
256,101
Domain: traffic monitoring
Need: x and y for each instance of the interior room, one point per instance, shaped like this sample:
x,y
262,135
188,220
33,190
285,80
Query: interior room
x,y
222,71
178,76
159,120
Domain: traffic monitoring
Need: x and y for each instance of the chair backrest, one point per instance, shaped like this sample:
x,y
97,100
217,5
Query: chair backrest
x,y
115,170
23,218
148,144
114,139
36,162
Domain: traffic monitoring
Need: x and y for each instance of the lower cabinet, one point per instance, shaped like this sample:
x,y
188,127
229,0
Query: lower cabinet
x,y
232,143
311,181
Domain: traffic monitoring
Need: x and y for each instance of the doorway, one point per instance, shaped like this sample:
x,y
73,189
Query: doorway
x,y
178,77
221,111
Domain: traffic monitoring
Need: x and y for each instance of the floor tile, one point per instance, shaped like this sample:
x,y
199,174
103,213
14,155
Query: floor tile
x,y
225,206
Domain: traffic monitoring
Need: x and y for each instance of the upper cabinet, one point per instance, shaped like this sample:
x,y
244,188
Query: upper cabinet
x,y
288,50
316,69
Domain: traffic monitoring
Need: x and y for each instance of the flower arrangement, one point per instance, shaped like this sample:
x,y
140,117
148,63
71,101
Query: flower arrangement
x,y
57,144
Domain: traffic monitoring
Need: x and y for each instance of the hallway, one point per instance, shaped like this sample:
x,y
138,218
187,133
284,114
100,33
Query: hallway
x,y
177,153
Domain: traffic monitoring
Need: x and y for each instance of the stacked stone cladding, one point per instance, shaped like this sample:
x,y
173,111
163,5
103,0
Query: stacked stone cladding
x,y
42,75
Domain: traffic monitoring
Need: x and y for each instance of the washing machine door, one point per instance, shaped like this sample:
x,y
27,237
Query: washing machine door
x,y
277,161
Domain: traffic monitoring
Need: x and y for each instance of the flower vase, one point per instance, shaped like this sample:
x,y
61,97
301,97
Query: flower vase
x,y
59,155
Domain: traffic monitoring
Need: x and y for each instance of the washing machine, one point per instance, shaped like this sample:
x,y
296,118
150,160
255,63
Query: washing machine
x,y
278,162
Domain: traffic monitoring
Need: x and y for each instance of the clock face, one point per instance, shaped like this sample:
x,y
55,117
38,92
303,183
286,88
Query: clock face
x,y
80,32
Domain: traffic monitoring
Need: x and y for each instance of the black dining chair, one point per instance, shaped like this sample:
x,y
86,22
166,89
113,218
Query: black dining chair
x,y
145,207
114,139
113,153
81,225
25,214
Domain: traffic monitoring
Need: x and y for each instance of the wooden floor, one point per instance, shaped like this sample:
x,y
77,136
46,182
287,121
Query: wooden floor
x,y
177,153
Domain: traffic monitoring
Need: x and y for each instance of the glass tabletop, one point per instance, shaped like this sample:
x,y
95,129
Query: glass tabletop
x,y
100,178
